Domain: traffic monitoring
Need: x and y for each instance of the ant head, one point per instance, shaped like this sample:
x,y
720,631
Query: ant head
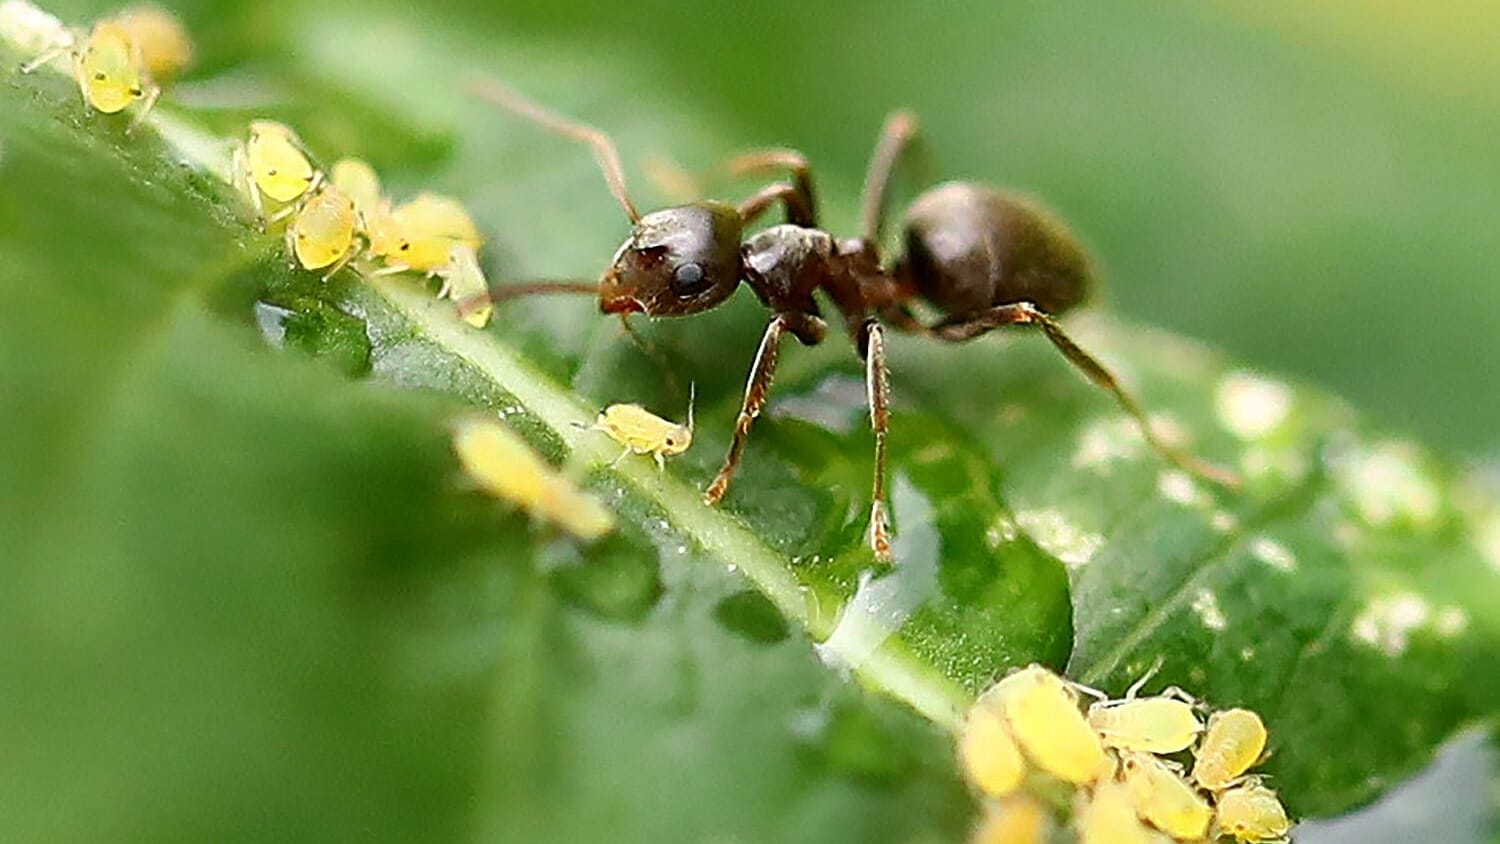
x,y
677,261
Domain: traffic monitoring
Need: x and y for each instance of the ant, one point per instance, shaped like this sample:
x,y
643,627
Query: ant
x,y
985,258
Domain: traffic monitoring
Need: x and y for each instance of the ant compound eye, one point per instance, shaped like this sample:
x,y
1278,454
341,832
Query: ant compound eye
x,y
689,278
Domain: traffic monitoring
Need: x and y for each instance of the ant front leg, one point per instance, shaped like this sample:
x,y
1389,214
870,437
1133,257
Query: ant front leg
x,y
762,200
871,343
756,389
960,328
801,203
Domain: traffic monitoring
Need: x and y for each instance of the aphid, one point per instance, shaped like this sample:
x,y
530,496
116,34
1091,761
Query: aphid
x,y
1107,816
108,67
1234,741
1252,814
1165,723
423,231
273,163
465,284
1014,820
322,233
504,465
1163,798
643,432
987,752
376,219
985,258
163,42
1042,711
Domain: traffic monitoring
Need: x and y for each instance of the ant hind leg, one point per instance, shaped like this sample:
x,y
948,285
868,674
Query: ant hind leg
x,y
968,326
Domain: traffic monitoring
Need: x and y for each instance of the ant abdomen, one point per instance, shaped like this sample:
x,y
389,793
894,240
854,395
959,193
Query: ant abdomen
x,y
970,247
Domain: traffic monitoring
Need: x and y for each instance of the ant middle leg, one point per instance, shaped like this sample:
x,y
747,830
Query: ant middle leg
x,y
966,327
756,389
870,341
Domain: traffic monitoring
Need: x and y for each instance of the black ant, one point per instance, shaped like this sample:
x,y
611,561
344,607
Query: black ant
x,y
984,257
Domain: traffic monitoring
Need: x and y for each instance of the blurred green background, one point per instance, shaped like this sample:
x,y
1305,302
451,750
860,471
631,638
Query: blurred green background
x,y
1307,187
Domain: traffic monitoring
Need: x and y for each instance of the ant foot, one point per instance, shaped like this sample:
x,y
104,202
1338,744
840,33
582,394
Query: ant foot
x,y
880,532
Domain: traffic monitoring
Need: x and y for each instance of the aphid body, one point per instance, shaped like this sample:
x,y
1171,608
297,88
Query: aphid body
x,y
425,229
987,752
1163,798
274,164
464,283
1107,816
643,432
504,465
1234,741
983,257
1014,820
322,233
162,41
1042,711
1252,814
109,69
1160,724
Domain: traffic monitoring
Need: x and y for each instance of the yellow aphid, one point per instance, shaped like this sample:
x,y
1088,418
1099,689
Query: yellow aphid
x,y
643,432
987,751
163,42
1108,817
358,179
1162,724
428,227
322,233
1252,814
1234,741
1163,798
272,163
110,70
465,284
1015,820
507,467
1043,713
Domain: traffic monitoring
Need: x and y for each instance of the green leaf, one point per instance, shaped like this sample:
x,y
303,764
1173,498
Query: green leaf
x,y
246,580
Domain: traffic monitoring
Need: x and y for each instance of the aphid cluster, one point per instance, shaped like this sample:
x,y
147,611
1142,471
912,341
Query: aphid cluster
x,y
345,216
1137,770
120,60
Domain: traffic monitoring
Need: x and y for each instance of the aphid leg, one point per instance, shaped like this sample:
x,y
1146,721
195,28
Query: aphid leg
x,y
149,94
805,211
47,55
288,211
762,200
624,454
1177,694
290,236
603,148
1136,687
661,462
1090,691
339,264
966,327
244,180
761,373
896,136
871,343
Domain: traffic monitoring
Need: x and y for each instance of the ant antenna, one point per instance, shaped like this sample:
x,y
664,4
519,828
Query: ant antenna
x,y
501,292
604,148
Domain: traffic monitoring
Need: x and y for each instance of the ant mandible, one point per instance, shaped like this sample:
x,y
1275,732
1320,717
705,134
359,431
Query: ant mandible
x,y
984,257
